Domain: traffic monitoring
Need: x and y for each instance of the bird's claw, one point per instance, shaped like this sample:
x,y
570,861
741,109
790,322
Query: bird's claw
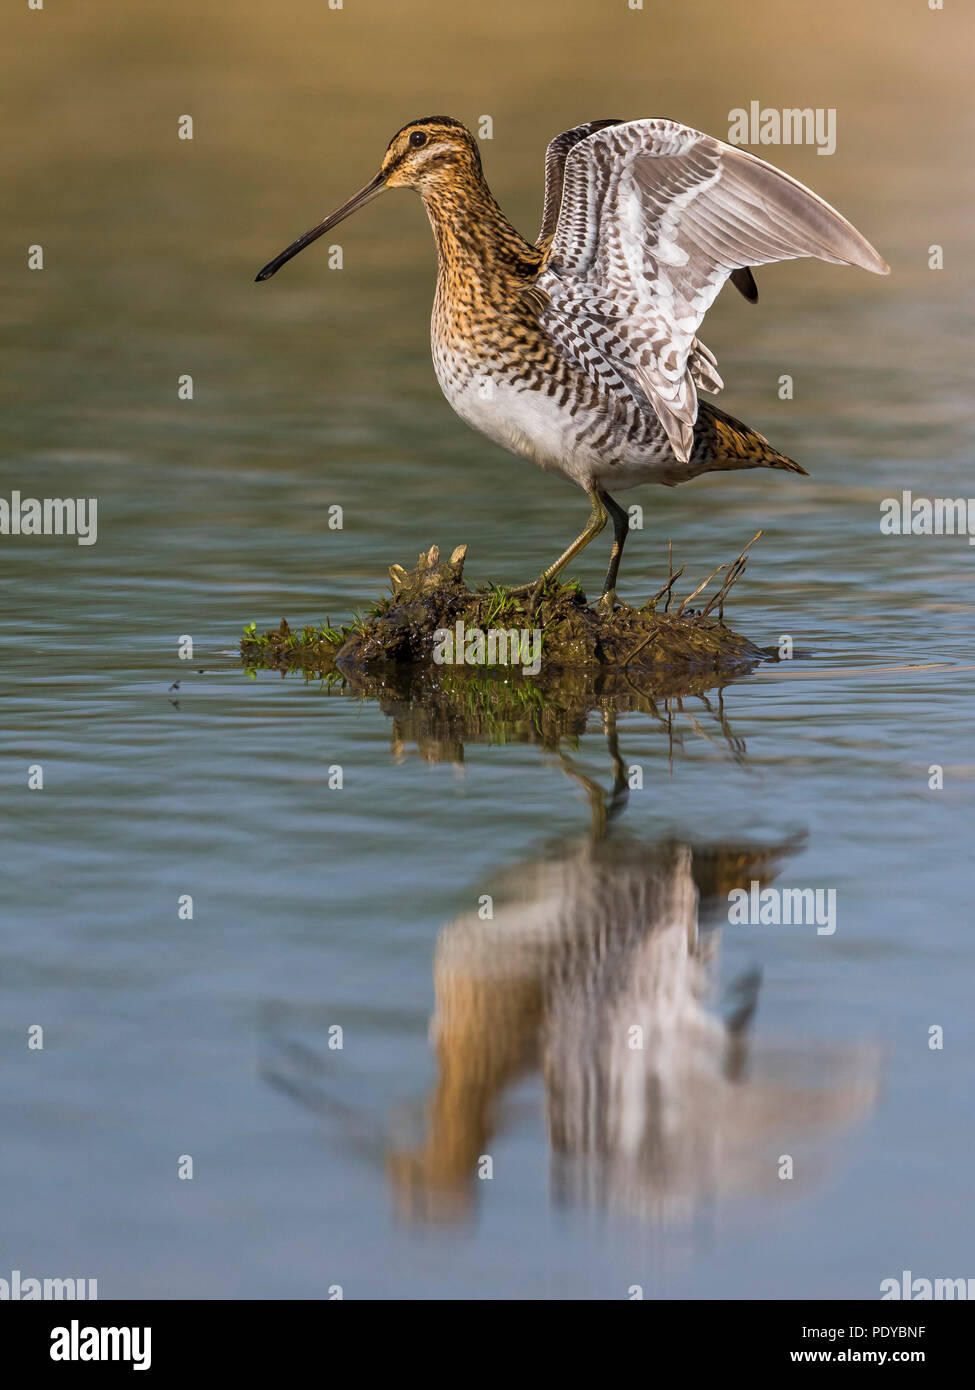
x,y
531,592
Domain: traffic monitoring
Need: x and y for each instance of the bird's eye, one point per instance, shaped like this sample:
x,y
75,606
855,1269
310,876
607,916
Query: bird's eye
x,y
418,138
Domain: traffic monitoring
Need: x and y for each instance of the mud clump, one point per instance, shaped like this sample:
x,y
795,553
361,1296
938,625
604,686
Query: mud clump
x,y
409,629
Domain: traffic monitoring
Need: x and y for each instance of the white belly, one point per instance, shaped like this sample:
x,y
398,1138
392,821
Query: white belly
x,y
535,426
527,423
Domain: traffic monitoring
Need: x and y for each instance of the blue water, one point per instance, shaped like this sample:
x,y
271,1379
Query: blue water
x,y
316,907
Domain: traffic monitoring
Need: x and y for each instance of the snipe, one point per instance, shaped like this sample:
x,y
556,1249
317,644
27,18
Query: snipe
x,y
580,352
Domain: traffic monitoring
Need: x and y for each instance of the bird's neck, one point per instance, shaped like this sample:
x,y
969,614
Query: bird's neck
x,y
473,236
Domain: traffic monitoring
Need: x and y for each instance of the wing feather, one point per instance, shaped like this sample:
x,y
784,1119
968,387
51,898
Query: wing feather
x,y
653,218
555,157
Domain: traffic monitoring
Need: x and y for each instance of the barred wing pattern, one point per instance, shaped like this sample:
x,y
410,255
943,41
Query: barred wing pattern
x,y
555,157
654,218
701,362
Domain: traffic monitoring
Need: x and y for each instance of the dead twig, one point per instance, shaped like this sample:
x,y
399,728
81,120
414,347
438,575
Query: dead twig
x,y
665,590
637,650
735,571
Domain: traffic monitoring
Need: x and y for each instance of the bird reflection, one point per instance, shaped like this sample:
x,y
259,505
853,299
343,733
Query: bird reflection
x,y
596,969
597,972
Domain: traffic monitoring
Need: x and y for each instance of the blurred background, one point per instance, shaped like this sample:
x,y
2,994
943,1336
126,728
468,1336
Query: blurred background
x,y
315,907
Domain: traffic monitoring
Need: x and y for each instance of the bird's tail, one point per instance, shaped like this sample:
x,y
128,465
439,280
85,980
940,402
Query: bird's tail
x,y
725,443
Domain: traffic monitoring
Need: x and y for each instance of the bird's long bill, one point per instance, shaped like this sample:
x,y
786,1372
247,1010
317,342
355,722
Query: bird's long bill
x,y
358,200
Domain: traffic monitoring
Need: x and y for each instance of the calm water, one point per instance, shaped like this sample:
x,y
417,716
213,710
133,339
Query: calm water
x,y
357,907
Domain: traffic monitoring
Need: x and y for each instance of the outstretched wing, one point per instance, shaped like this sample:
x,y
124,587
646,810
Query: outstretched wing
x,y
654,217
701,362
555,157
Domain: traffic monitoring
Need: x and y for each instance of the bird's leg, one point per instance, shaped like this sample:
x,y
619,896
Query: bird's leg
x,y
596,522
621,527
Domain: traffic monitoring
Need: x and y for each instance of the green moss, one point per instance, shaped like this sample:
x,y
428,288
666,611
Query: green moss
x,y
665,638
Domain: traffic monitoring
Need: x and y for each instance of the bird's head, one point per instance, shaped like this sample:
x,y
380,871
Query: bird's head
x,y
426,154
430,151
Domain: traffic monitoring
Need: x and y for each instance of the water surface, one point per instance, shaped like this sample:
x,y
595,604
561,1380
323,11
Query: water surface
x,y
315,907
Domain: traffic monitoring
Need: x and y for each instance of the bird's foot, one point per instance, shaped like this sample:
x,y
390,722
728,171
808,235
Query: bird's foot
x,y
608,603
532,592
520,590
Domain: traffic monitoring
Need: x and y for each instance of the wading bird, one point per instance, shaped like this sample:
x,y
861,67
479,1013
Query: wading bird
x,y
580,352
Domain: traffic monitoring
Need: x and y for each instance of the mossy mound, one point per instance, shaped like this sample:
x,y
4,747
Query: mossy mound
x,y
407,629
